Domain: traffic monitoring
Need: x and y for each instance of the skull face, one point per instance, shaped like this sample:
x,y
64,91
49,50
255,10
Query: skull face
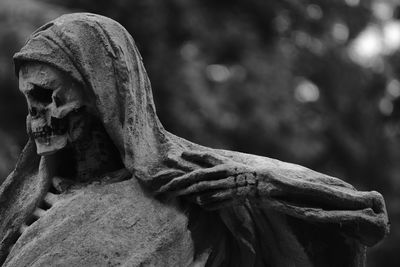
x,y
54,101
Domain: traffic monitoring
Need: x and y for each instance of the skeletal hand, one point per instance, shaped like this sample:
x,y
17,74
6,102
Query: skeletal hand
x,y
223,182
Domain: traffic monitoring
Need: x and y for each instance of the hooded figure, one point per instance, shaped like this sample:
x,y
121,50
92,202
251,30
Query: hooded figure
x,y
181,204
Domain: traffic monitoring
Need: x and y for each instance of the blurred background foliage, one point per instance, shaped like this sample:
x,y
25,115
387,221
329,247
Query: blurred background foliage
x,y
311,82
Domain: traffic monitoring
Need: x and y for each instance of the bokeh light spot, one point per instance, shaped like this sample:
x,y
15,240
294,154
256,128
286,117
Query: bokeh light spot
x,y
217,73
385,106
306,91
382,10
189,51
391,36
340,32
393,88
314,12
352,2
301,38
282,23
366,46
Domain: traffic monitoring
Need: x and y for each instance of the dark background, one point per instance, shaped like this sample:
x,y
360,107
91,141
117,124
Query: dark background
x,y
310,82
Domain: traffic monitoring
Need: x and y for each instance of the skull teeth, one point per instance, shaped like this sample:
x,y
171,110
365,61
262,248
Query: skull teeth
x,y
47,131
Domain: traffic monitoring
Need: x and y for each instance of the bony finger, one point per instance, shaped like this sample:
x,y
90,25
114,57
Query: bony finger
x,y
168,174
222,200
178,163
216,196
203,158
203,186
215,200
164,176
194,177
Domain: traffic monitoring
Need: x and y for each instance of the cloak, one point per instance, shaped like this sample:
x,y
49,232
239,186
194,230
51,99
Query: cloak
x,y
287,231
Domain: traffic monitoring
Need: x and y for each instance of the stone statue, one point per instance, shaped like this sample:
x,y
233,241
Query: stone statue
x,y
102,183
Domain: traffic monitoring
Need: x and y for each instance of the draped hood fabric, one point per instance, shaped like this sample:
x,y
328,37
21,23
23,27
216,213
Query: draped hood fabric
x,y
100,54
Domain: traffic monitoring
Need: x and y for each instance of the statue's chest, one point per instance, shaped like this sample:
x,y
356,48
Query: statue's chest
x,y
105,225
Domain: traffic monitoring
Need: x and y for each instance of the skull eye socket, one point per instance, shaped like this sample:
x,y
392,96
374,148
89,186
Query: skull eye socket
x,y
41,94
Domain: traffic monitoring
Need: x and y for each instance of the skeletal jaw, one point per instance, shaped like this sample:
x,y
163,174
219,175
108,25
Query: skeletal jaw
x,y
49,144
51,138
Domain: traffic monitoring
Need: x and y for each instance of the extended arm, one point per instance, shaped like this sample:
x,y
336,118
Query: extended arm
x,y
224,182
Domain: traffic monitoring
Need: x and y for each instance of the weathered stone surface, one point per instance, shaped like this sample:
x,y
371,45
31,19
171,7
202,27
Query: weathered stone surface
x,y
106,225
151,198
